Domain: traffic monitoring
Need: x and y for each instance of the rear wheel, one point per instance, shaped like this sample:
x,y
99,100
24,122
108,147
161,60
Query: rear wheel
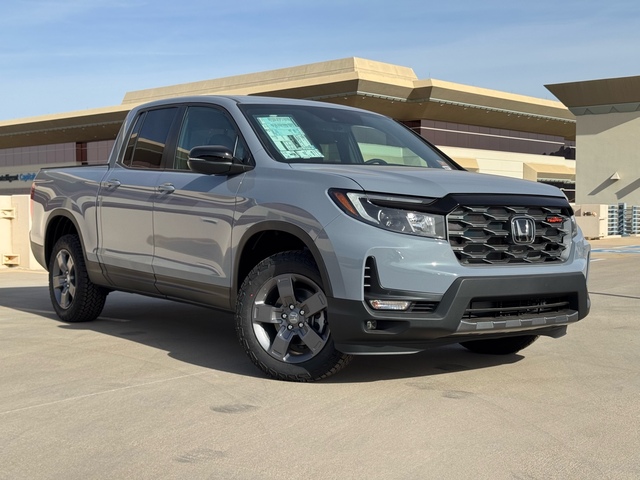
x,y
281,320
73,296
500,346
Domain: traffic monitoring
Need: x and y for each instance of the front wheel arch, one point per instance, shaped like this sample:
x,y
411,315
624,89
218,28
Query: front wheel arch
x,y
256,245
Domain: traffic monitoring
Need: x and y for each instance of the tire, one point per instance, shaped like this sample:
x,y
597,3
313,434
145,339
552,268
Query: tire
x,y
281,320
500,346
73,296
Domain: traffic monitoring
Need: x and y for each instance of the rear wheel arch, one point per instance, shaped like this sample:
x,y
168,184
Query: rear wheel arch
x,y
59,225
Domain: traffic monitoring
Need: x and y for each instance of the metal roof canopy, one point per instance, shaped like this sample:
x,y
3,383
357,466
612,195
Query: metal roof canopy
x,y
83,126
599,96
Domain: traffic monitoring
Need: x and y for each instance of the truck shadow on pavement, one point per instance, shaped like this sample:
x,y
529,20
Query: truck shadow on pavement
x,y
207,338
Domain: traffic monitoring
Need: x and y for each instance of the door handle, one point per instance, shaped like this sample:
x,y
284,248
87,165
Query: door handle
x,y
113,183
166,188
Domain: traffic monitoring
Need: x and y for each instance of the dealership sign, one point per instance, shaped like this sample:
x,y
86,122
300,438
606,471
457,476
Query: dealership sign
x,y
19,177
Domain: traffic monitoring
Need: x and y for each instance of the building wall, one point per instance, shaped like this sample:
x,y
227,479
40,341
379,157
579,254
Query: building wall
x,y
38,155
508,164
607,144
15,223
19,166
98,152
487,138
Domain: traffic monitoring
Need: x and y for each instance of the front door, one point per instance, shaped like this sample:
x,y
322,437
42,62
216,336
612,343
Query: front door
x,y
193,217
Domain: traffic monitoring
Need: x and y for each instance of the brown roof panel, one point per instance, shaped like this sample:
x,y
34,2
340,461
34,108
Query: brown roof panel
x,y
608,91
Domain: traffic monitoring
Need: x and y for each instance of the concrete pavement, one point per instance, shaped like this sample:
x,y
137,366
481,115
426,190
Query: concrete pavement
x,y
154,389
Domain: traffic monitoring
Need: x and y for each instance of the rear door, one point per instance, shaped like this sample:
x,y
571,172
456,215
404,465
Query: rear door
x,y
126,198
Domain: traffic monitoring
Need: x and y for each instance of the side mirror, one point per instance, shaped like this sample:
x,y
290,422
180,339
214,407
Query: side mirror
x,y
215,160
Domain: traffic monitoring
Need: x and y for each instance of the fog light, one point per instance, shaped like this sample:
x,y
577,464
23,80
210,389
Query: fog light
x,y
390,304
370,324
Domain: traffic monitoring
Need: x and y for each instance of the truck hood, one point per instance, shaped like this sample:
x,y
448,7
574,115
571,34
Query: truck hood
x,y
430,182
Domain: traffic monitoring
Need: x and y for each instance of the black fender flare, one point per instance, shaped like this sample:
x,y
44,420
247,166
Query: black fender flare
x,y
278,226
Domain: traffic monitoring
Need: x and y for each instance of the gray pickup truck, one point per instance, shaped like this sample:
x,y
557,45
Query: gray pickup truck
x,y
329,231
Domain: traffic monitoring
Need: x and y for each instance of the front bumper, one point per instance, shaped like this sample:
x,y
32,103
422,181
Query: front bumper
x,y
358,329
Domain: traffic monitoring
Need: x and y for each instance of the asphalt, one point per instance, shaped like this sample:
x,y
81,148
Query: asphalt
x,y
155,390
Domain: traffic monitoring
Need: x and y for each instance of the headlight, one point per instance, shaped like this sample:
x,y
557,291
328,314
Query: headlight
x,y
391,213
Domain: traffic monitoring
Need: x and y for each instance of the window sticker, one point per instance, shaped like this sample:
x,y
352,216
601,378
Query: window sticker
x,y
288,137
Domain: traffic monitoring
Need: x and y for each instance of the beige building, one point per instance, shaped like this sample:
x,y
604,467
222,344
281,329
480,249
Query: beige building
x,y
607,131
484,130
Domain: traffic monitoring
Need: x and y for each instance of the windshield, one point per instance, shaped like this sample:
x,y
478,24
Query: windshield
x,y
307,134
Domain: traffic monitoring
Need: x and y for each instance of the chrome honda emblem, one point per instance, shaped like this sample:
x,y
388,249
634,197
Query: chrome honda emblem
x,y
523,230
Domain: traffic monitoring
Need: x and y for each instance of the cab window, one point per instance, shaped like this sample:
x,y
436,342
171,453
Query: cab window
x,y
207,126
148,139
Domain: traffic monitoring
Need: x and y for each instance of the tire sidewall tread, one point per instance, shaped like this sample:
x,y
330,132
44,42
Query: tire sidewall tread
x,y
89,300
326,363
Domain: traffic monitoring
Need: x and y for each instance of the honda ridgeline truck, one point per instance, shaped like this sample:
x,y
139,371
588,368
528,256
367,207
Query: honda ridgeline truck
x,y
329,231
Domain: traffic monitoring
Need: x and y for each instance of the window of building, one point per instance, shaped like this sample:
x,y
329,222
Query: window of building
x,y
484,138
81,153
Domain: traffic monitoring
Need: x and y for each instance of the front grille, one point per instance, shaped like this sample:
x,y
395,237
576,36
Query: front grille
x,y
492,315
506,309
481,235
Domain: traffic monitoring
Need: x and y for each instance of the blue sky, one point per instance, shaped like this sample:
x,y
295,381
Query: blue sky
x,y
64,55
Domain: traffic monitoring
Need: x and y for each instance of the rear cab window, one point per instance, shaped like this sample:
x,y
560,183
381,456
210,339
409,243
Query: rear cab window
x,y
148,138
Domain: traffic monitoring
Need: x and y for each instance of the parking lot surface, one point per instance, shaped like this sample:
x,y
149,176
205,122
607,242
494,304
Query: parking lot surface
x,y
154,389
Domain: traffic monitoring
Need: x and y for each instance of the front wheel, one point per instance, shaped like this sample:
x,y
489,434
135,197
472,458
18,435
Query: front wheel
x,y
281,320
500,346
73,296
